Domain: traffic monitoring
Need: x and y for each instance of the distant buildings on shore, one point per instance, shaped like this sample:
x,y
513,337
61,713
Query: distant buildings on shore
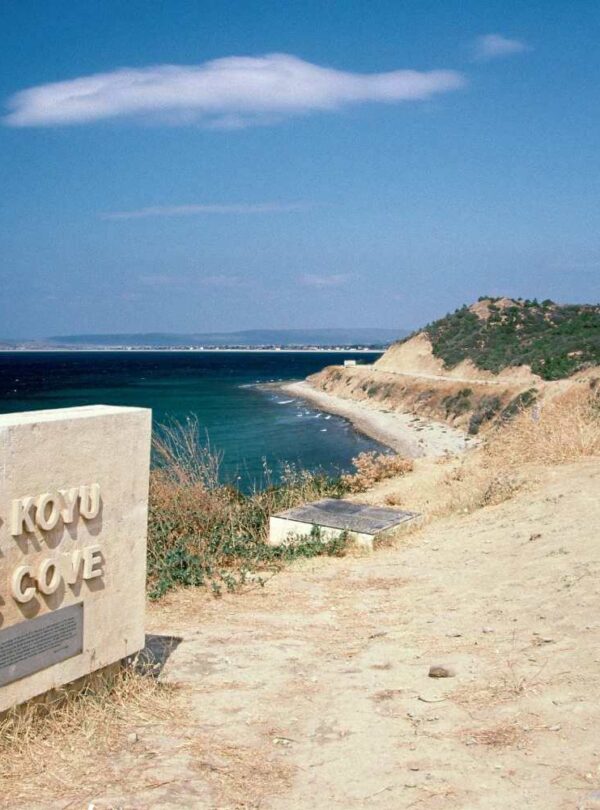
x,y
33,346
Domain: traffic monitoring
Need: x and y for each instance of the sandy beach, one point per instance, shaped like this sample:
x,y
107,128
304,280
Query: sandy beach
x,y
405,433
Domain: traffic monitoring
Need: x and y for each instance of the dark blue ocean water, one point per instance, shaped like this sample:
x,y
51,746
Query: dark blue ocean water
x,y
250,425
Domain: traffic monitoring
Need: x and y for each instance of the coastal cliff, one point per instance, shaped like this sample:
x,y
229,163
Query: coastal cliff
x,y
479,365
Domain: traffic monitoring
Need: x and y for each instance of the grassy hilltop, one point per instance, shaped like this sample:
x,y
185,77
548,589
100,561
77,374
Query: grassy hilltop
x,y
555,341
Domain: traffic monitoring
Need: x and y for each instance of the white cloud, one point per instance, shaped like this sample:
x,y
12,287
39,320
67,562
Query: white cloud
x,y
236,91
321,282
496,46
190,210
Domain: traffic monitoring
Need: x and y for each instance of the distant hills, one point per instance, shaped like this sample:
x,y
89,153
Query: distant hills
x,y
251,338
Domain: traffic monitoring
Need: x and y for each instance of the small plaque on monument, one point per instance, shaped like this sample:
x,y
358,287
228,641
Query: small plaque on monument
x,y
30,646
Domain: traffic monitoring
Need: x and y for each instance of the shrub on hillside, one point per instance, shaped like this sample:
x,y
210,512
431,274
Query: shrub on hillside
x,y
202,532
487,409
517,405
372,467
459,403
555,341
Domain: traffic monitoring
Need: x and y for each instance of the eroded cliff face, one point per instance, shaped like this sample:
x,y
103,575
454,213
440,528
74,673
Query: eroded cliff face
x,y
409,378
416,358
468,405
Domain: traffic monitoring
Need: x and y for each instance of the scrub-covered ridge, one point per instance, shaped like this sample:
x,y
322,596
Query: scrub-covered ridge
x,y
554,341
478,366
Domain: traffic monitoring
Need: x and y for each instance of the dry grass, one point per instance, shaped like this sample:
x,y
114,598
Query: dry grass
x,y
77,731
453,486
503,735
374,467
567,428
184,457
240,776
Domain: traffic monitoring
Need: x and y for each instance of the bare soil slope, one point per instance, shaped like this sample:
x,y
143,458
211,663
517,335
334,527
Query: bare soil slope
x,y
415,358
409,379
470,368
314,691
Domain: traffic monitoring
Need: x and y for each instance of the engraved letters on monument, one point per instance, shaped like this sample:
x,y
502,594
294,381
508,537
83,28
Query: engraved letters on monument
x,y
35,644
73,519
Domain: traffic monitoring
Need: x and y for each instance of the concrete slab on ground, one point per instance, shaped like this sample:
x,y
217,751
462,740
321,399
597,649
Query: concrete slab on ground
x,y
332,517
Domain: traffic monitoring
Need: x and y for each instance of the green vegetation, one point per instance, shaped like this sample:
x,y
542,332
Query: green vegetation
x,y
487,409
370,389
554,340
523,400
204,533
458,403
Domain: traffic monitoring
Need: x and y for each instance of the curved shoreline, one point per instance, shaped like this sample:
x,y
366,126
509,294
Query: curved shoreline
x,y
402,432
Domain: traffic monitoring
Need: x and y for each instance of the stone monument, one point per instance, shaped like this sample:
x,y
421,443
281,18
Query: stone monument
x,y
73,521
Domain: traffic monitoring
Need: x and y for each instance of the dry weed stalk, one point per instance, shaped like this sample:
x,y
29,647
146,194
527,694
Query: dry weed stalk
x,y
567,428
241,776
373,467
511,683
41,743
182,456
504,735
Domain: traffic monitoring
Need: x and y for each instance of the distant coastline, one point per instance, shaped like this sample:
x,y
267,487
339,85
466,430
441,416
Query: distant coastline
x,y
275,340
193,350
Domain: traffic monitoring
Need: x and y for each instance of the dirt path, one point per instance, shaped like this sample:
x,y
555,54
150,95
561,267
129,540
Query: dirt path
x,y
444,377
314,691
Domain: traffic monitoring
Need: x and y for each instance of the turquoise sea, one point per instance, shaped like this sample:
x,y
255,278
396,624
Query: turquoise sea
x,y
250,425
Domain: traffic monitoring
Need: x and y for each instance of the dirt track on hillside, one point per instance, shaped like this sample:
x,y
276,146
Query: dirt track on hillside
x,y
313,692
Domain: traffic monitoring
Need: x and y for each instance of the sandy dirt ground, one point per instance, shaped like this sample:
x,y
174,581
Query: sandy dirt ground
x,y
313,692
405,433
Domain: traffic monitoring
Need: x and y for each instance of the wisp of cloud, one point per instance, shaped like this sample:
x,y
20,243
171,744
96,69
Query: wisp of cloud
x,y
323,282
496,46
231,92
198,209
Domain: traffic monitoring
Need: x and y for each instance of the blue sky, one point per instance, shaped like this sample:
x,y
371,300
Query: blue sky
x,y
299,164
